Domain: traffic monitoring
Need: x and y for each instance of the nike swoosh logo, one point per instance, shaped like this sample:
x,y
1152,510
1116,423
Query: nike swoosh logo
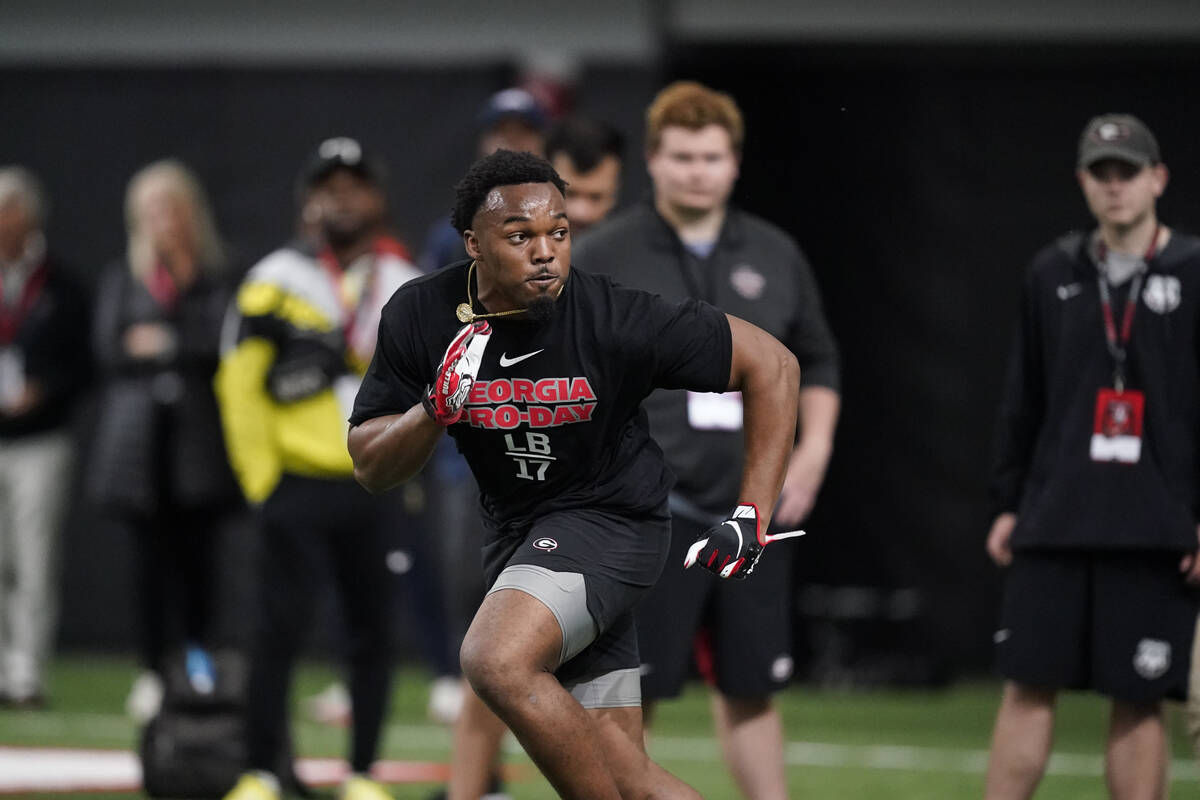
x,y
505,361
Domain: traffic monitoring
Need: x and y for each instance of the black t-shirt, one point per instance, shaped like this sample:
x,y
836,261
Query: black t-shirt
x,y
554,420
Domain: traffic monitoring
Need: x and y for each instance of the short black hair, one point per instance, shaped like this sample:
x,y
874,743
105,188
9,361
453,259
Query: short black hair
x,y
501,168
585,141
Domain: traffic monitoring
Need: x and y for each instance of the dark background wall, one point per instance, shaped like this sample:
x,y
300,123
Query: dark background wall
x,y
245,131
919,177
921,180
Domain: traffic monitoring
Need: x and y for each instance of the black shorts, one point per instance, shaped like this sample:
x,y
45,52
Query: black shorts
x,y
588,542
741,629
1117,623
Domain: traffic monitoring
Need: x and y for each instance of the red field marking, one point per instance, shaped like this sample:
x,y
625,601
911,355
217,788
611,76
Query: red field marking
x,y
61,769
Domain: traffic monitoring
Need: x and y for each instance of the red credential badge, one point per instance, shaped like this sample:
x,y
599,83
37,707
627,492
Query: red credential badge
x,y
1117,435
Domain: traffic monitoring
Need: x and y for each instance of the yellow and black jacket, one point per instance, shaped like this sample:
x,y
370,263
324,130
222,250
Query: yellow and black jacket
x,y
297,340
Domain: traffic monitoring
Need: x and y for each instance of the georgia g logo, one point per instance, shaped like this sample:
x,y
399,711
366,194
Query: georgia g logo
x,y
545,543
1152,659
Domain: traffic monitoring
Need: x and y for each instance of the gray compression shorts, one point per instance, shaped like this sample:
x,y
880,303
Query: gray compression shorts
x,y
565,594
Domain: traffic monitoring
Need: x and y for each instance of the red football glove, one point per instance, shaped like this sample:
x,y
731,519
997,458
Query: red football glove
x,y
732,548
445,399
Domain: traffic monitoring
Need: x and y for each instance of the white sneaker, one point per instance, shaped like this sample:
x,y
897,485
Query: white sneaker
x,y
445,700
145,697
330,706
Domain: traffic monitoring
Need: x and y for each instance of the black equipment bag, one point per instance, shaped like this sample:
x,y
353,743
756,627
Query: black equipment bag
x,y
196,746
192,754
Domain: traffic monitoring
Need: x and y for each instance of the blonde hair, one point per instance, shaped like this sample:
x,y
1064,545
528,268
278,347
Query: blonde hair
x,y
692,105
182,184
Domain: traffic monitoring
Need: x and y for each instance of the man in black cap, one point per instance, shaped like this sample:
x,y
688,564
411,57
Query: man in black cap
x,y
511,119
306,326
1097,479
587,154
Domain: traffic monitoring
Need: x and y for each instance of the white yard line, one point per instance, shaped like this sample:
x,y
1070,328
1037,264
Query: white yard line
x,y
28,769
64,764
898,757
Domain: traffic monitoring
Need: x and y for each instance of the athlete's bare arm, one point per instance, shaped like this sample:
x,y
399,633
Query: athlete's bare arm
x,y
388,451
768,377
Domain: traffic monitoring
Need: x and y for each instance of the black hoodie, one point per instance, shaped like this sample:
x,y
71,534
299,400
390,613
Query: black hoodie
x,y
1044,471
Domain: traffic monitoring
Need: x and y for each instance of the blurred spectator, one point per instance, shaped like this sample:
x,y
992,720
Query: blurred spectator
x,y
43,367
1097,477
691,242
158,468
511,119
587,154
304,333
415,559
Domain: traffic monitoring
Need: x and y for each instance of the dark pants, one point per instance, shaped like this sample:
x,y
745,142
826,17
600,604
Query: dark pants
x,y
316,531
746,649
175,554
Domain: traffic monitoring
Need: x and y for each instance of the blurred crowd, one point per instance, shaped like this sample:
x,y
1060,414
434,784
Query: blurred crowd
x,y
223,388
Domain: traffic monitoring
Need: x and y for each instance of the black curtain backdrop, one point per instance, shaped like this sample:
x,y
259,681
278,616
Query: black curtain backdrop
x,y
245,132
920,181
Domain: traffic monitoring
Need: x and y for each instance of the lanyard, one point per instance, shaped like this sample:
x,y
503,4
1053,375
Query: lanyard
x,y
1118,342
11,317
351,307
162,287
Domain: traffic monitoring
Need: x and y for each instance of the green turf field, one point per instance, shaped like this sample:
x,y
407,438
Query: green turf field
x,y
841,745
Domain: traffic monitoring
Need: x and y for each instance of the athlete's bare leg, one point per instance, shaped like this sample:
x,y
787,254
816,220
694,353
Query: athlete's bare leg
x,y
478,734
1136,758
509,651
751,734
648,708
620,732
1021,742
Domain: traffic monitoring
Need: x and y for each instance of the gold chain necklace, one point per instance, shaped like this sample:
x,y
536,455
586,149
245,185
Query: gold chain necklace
x,y
466,311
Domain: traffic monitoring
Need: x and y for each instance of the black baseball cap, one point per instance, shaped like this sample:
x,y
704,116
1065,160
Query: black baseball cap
x,y
515,103
1123,137
343,152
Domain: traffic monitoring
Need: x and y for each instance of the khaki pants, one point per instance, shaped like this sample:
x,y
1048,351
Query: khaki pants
x,y
1193,701
34,473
